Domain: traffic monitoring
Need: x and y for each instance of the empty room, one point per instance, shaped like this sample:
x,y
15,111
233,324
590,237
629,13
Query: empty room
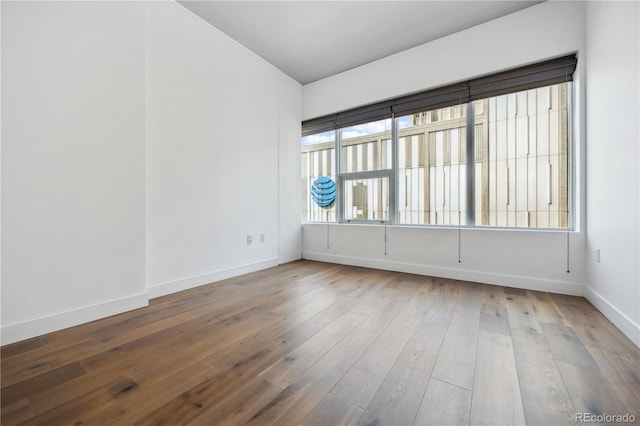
x,y
320,212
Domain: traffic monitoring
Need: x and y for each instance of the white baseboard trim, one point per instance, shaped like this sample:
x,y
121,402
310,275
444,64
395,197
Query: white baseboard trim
x,y
619,319
552,286
208,278
25,330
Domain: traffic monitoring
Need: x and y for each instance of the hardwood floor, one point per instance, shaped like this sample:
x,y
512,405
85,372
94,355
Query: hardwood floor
x,y
317,343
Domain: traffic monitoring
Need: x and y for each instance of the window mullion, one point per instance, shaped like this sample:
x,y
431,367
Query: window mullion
x,y
339,179
393,179
471,166
367,175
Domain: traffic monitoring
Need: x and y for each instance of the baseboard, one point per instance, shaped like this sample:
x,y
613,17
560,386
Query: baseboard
x,y
208,278
25,330
552,286
619,319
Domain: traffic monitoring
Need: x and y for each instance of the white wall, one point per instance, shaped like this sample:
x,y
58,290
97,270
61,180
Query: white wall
x,y
535,260
219,122
613,211
72,163
540,32
526,260
140,147
290,203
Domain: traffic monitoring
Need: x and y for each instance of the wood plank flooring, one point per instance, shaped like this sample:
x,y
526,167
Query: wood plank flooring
x,y
317,343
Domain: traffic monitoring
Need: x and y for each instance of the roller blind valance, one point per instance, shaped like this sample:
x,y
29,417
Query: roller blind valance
x,y
540,74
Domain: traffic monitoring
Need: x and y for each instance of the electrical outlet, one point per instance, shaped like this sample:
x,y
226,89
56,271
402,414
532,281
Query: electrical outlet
x,y
249,239
262,239
597,255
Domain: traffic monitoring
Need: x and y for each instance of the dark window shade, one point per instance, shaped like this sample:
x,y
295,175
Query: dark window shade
x,y
319,125
363,115
453,94
545,73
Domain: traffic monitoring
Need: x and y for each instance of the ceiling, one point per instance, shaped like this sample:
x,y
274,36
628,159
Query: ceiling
x,y
310,40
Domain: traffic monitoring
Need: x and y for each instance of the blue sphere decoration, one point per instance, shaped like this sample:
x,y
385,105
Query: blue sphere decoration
x,y
323,191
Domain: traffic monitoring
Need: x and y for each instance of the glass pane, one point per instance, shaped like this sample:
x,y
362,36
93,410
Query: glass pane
x,y
522,169
367,147
366,199
317,161
431,167
319,139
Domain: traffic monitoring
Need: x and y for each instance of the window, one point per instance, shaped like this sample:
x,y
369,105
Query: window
x,y
366,199
499,158
366,171
366,147
523,179
431,171
318,159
